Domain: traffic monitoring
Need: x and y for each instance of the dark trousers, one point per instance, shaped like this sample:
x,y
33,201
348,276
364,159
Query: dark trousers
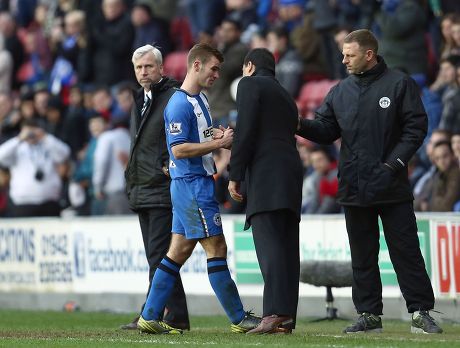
x,y
276,238
156,234
400,231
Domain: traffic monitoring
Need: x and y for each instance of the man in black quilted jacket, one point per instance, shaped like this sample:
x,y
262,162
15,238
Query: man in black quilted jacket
x,y
147,177
379,116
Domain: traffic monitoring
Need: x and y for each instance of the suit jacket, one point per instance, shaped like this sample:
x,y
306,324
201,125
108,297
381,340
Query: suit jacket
x,y
264,147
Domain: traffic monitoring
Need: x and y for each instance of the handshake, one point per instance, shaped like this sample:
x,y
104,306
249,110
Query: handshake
x,y
224,136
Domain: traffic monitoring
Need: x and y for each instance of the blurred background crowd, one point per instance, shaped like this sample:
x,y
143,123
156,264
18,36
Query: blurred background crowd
x,y
66,82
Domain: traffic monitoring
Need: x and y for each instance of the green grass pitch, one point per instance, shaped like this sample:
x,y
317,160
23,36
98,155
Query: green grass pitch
x,y
82,329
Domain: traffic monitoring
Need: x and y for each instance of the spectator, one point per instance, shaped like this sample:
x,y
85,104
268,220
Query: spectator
x,y
447,41
83,174
307,42
54,118
9,118
33,158
432,103
70,49
455,32
149,29
228,42
325,23
12,43
6,67
446,82
446,183
205,16
320,188
110,159
424,186
290,13
102,103
455,143
111,40
26,106
402,25
450,119
242,11
75,126
289,67
41,98
38,56
124,101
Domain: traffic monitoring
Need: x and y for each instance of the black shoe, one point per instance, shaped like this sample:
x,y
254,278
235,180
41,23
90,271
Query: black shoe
x,y
131,326
424,323
366,322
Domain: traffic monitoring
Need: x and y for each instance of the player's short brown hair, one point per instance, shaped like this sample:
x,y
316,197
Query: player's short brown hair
x,y
203,52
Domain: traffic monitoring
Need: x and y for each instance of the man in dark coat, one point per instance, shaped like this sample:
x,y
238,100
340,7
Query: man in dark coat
x,y
379,116
147,176
264,149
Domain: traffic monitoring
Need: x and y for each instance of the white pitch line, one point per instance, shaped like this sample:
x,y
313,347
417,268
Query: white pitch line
x,y
379,336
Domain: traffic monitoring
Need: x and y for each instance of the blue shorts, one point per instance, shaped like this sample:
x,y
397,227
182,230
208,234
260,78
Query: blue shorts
x,y
195,210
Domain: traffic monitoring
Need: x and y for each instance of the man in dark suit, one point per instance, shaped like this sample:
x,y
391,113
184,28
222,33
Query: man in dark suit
x,y
147,176
264,149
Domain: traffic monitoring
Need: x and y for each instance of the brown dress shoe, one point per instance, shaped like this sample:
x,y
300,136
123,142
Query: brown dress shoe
x,y
131,326
273,324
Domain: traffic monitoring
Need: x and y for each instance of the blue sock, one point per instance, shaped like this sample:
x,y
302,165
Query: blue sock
x,y
162,284
225,288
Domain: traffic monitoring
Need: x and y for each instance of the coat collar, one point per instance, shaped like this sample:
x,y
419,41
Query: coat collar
x,y
372,74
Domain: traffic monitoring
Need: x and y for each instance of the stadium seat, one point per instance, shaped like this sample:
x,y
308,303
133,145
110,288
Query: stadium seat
x,y
175,65
312,95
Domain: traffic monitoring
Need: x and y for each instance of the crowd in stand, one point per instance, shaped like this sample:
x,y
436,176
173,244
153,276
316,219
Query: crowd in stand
x,y
66,82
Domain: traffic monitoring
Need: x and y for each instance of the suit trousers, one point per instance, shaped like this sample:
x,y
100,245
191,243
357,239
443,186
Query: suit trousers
x,y
156,234
276,239
400,230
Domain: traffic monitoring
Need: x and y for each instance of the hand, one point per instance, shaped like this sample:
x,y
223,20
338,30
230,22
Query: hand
x,y
218,133
123,157
234,189
165,170
24,134
227,139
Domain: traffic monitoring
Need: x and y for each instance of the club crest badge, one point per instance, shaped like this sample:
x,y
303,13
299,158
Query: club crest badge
x,y
384,102
217,219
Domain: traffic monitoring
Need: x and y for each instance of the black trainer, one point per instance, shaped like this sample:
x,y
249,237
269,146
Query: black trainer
x,y
366,322
424,323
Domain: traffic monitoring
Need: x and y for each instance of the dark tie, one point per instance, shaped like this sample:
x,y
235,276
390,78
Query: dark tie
x,y
146,105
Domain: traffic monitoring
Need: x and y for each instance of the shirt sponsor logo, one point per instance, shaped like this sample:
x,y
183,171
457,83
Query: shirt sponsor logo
x,y
384,102
175,128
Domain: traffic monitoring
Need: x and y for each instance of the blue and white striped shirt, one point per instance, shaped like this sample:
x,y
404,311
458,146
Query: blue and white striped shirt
x,y
188,120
